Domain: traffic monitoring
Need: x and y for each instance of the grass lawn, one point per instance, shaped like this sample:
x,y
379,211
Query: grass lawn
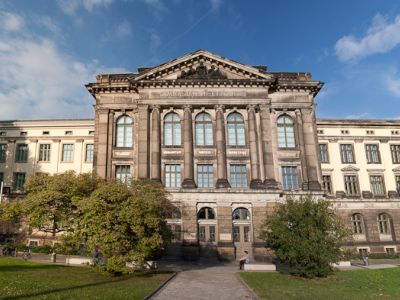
x,y
352,284
24,279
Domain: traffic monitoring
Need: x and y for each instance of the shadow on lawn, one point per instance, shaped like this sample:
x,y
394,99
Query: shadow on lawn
x,y
14,268
42,293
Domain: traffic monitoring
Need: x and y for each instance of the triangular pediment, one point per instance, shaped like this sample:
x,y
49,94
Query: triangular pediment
x,y
202,65
350,169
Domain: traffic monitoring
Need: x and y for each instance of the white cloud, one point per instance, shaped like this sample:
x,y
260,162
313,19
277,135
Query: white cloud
x,y
215,4
71,6
393,85
123,29
381,37
11,21
49,24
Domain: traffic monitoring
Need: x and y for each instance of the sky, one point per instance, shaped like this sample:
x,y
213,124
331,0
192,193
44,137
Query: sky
x,y
50,48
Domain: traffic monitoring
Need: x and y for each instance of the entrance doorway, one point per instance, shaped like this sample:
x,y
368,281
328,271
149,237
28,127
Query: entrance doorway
x,y
241,231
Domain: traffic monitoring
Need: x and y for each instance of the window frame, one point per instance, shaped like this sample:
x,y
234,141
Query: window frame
x,y
370,154
175,130
356,185
64,159
235,130
204,125
176,179
384,223
326,155
17,181
3,152
294,183
233,175
285,132
91,156
395,153
382,182
44,154
346,152
330,190
208,174
357,223
123,177
124,139
21,156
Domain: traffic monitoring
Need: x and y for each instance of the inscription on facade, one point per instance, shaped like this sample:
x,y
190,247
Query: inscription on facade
x,y
201,94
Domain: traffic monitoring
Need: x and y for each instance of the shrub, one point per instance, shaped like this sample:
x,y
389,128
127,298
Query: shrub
x,y
306,234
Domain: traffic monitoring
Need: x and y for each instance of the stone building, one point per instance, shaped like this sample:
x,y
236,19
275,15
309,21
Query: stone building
x,y
228,141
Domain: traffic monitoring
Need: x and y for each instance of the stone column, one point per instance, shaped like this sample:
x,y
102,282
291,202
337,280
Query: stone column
x,y
155,143
143,142
110,142
266,147
222,181
101,148
188,174
311,146
256,182
300,137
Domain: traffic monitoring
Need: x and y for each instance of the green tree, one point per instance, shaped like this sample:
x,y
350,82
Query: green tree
x,y
306,234
51,201
126,223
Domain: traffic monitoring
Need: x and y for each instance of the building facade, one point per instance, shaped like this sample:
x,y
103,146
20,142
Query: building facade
x,y
228,141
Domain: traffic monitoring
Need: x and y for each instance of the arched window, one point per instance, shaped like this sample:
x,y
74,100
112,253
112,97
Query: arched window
x,y
357,224
236,135
286,132
384,224
204,131
241,214
124,132
172,130
173,213
206,213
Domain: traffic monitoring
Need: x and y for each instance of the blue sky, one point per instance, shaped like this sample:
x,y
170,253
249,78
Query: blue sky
x,y
50,49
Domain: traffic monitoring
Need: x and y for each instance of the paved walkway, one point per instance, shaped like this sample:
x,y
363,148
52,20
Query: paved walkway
x,y
205,281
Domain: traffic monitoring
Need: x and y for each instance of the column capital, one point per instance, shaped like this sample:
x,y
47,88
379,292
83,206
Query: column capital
x,y
251,107
219,107
155,107
187,107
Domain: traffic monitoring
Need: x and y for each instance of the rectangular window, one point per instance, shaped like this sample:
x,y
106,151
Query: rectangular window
x,y
327,184
205,176
246,234
19,181
372,152
212,234
21,155
89,152
347,153
395,150
202,233
290,180
351,185
44,152
3,152
377,187
238,177
323,153
123,173
390,250
172,176
397,178
67,152
1,177
236,234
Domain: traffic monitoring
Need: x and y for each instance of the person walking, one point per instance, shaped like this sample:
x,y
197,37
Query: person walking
x,y
244,260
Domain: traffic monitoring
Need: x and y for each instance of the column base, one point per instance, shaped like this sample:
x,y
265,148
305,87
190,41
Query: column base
x,y
257,184
188,183
313,186
222,183
271,184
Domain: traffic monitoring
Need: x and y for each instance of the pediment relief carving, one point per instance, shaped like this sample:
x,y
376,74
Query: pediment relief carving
x,y
202,72
202,65
350,169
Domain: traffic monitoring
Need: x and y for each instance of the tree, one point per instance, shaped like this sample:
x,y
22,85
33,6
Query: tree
x,y
50,204
125,223
306,234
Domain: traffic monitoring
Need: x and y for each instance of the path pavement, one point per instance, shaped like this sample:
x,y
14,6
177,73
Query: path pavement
x,y
205,281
